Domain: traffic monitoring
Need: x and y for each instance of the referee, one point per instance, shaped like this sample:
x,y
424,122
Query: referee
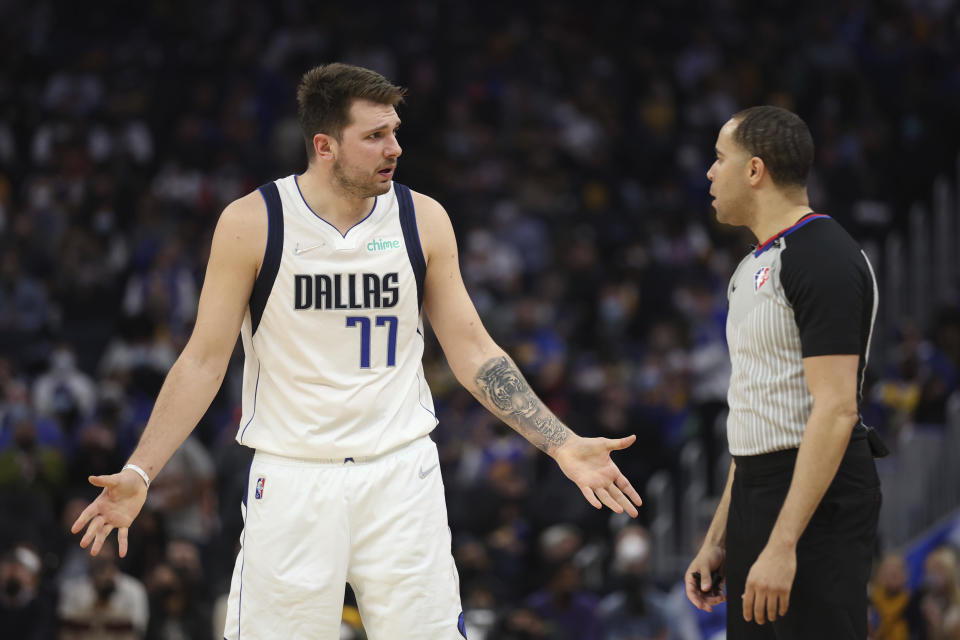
x,y
794,531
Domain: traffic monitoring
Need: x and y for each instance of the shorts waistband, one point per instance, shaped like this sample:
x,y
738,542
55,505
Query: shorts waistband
x,y
348,460
786,458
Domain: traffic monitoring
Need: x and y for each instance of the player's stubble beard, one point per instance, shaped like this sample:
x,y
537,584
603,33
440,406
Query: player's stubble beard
x,y
354,185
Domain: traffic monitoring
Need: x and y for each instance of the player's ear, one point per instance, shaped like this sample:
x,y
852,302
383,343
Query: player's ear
x,y
755,170
325,146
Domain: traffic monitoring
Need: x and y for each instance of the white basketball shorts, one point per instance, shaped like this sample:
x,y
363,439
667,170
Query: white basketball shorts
x,y
310,527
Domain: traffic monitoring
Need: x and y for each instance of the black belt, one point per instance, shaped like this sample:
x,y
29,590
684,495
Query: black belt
x,y
786,458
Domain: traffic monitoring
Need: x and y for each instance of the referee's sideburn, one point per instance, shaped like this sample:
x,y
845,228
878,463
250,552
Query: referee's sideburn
x,y
793,535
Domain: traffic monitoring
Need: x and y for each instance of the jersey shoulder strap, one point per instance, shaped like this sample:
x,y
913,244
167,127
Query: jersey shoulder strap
x,y
271,256
411,237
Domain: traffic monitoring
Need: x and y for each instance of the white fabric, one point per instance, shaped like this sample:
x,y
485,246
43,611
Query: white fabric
x,y
768,397
305,391
379,525
127,605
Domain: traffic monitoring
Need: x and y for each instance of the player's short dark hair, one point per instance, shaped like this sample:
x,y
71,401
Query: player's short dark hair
x,y
778,137
326,92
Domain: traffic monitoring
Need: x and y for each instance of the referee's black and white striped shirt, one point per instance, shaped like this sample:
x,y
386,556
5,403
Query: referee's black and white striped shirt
x,y
808,291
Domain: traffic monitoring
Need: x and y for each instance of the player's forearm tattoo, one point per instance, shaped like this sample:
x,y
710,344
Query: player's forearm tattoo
x,y
506,393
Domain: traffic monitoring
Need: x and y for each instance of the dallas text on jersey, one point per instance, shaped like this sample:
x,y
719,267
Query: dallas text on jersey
x,y
346,291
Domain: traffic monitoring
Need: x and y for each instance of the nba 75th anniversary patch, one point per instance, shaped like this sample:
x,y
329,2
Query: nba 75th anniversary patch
x,y
760,278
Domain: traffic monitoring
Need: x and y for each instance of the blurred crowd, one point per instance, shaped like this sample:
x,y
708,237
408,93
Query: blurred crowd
x,y
568,141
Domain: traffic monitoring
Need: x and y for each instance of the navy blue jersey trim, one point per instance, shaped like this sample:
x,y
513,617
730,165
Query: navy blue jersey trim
x,y
243,562
411,237
256,389
327,222
271,255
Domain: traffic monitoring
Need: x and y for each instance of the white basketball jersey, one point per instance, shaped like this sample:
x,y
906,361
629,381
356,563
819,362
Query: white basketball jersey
x,y
333,336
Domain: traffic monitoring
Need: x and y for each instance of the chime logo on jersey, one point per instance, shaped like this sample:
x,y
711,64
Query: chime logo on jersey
x,y
383,244
258,493
760,277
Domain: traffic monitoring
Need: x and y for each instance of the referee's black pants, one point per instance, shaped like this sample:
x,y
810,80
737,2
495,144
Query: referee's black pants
x,y
829,596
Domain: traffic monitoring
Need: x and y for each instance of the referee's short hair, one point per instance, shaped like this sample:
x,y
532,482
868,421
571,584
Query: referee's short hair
x,y
778,137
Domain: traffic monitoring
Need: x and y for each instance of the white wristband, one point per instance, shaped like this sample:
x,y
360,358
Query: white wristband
x,y
140,472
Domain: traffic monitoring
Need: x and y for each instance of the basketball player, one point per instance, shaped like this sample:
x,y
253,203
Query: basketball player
x,y
793,533
325,275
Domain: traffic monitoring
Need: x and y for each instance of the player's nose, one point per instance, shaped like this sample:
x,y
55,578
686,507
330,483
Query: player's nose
x,y
393,150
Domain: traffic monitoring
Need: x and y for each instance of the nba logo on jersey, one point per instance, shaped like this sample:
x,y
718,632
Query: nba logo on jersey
x,y
259,491
760,277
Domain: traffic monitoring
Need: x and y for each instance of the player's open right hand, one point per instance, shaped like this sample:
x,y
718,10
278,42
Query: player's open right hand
x,y
709,560
117,505
587,462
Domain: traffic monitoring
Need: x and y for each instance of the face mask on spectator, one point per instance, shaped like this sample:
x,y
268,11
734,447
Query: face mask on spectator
x,y
12,588
105,590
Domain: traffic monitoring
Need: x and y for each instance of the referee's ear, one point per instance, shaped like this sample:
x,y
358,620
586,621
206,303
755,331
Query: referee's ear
x,y
756,170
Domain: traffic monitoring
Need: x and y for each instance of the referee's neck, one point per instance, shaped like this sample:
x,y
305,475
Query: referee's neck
x,y
777,212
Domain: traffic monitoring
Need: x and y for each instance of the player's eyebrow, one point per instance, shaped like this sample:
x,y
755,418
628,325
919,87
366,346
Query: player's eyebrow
x,y
719,153
385,125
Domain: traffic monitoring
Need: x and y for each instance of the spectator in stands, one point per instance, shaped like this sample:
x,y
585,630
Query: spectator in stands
x,y
166,291
32,461
946,337
940,603
570,611
177,608
94,451
26,606
183,490
16,405
64,391
74,563
889,598
916,390
940,359
898,392
635,610
103,605
479,609
24,306
523,624
32,476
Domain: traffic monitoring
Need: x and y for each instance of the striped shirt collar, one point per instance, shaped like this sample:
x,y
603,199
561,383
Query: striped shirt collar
x,y
810,217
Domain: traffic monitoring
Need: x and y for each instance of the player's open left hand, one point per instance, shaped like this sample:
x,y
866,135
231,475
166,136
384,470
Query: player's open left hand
x,y
117,505
586,461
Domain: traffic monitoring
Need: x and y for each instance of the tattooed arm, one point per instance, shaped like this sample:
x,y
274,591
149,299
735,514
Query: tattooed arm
x,y
485,370
501,388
